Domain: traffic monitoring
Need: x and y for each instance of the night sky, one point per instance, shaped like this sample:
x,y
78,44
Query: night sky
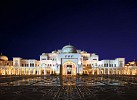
x,y
105,27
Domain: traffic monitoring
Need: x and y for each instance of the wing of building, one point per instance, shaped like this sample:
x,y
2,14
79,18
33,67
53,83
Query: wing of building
x,y
67,61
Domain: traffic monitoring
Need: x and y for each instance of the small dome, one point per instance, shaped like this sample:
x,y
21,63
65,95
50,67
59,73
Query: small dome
x,y
2,57
83,51
44,54
69,49
55,51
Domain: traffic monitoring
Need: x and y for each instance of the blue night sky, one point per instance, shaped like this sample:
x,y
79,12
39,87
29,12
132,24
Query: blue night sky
x,y
105,27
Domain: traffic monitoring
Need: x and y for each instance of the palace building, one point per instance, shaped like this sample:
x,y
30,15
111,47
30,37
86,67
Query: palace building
x,y
67,61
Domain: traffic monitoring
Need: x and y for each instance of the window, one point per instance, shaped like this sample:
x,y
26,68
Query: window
x,y
121,63
105,65
43,59
94,59
109,65
16,62
31,65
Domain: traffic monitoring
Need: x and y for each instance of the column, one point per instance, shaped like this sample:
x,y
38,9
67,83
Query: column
x,y
108,71
77,70
29,71
18,71
112,71
116,71
39,71
93,71
4,71
121,71
33,71
53,71
99,71
25,72
44,71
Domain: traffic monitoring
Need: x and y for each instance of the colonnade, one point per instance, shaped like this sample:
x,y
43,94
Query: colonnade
x,y
111,71
48,71
26,71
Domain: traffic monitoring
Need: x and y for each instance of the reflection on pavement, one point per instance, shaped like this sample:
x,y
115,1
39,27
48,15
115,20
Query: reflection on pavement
x,y
63,81
68,88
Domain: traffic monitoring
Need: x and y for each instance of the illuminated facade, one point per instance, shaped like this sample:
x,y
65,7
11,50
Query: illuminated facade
x,y
67,61
131,68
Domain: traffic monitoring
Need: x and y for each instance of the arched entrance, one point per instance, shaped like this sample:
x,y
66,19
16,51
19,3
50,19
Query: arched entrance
x,y
42,72
48,71
69,68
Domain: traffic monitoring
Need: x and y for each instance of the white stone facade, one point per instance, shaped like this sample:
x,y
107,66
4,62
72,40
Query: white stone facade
x,y
67,61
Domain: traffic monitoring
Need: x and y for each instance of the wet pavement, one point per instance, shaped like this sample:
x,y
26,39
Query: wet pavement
x,y
68,88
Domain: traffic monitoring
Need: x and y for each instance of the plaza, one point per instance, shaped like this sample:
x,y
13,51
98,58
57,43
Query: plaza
x,y
68,88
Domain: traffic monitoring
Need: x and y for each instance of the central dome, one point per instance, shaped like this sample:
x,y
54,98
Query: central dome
x,y
69,49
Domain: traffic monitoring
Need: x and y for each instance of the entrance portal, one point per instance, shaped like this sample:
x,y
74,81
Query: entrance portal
x,y
48,72
69,69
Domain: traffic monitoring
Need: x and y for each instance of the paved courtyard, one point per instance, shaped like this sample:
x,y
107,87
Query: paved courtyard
x,y
68,88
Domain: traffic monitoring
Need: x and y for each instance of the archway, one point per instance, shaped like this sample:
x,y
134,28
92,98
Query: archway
x,y
69,68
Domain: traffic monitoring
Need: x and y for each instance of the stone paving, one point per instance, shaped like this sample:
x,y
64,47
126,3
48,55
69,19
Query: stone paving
x,y
68,88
